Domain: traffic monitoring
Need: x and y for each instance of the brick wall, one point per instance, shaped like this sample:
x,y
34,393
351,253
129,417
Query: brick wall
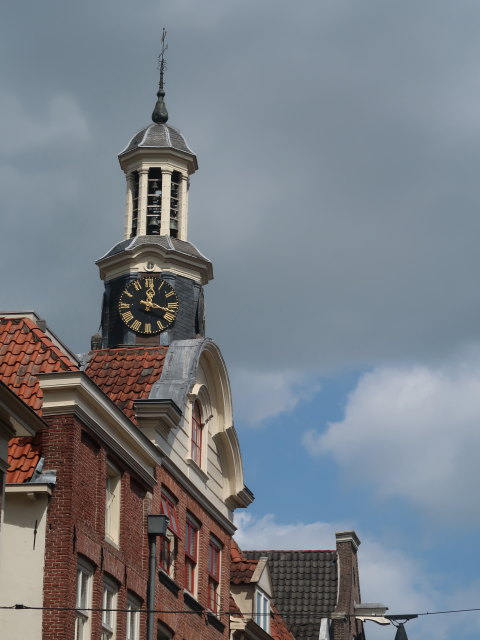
x,y
76,528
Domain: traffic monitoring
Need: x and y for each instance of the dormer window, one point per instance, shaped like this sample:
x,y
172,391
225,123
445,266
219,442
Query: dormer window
x,y
262,610
197,429
154,201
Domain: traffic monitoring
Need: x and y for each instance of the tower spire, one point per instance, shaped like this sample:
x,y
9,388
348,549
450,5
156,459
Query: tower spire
x,y
160,113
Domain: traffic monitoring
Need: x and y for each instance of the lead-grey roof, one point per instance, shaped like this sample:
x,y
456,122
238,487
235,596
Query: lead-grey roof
x,y
179,371
158,135
167,242
304,587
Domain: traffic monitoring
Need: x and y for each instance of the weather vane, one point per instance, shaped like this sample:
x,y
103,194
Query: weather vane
x,y
160,113
162,63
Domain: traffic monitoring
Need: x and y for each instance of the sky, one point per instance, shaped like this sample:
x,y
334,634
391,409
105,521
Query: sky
x,y
338,197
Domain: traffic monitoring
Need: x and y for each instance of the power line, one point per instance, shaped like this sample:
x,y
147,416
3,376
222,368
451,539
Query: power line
x,y
24,607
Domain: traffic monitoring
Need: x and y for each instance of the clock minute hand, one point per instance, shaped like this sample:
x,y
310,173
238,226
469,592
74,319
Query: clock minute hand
x,y
149,304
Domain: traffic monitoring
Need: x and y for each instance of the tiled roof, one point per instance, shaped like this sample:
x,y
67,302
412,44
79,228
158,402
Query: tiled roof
x,y
241,569
126,375
278,627
23,457
305,587
26,351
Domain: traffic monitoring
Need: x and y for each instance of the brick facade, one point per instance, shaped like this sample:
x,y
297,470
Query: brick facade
x,y
76,529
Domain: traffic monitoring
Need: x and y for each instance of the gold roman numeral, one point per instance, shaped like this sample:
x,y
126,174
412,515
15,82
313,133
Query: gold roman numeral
x,y
148,328
135,326
137,284
149,283
124,305
127,293
170,294
127,316
160,325
172,306
162,282
169,317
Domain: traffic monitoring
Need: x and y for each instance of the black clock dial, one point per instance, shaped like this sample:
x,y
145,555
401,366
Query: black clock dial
x,y
148,305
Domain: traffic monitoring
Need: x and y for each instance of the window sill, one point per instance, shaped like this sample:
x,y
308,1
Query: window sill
x,y
214,621
191,463
112,542
192,603
169,582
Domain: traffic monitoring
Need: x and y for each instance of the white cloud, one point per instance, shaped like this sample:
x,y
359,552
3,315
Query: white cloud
x,y
413,433
263,395
60,122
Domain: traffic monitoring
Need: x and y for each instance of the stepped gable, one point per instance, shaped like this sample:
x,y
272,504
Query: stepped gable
x,y
24,454
126,374
305,587
26,351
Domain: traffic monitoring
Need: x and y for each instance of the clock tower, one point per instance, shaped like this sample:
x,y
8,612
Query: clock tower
x,y
154,277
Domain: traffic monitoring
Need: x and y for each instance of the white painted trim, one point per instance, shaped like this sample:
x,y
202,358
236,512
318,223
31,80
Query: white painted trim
x,y
72,392
37,488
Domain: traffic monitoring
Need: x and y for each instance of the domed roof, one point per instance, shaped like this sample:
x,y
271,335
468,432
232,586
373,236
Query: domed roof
x,y
158,136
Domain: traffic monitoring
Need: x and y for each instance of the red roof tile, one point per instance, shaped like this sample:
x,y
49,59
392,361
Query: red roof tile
x,y
278,627
241,569
23,457
25,351
126,375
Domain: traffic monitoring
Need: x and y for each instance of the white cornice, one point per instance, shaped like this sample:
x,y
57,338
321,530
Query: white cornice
x,y
29,488
72,392
131,260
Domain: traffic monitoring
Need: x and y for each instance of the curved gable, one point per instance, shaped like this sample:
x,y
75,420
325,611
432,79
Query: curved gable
x,y
205,448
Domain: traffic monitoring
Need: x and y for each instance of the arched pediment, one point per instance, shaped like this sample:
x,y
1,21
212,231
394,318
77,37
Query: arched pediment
x,y
195,370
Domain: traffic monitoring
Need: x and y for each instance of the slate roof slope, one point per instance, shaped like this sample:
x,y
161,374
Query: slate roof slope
x,y
127,374
25,351
241,572
305,587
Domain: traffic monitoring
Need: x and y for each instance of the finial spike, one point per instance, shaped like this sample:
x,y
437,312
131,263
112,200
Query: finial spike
x,y
160,113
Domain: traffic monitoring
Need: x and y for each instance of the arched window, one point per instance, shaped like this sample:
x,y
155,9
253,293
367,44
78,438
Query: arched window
x,y
174,203
154,203
197,428
135,185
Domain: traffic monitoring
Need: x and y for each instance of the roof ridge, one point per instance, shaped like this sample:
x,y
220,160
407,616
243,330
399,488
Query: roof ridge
x,y
289,550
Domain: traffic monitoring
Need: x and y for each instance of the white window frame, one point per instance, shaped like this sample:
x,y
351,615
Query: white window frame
x,y
109,602
113,483
262,610
83,604
133,617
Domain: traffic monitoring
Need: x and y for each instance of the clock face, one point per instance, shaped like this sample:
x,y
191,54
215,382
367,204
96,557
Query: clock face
x,y
148,305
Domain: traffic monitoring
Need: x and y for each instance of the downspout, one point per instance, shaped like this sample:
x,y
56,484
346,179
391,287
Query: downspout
x,y
156,526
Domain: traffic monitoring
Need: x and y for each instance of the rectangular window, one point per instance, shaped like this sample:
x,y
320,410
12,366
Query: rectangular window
x,y
83,618
214,559
191,546
112,504
109,616
133,618
168,542
262,610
